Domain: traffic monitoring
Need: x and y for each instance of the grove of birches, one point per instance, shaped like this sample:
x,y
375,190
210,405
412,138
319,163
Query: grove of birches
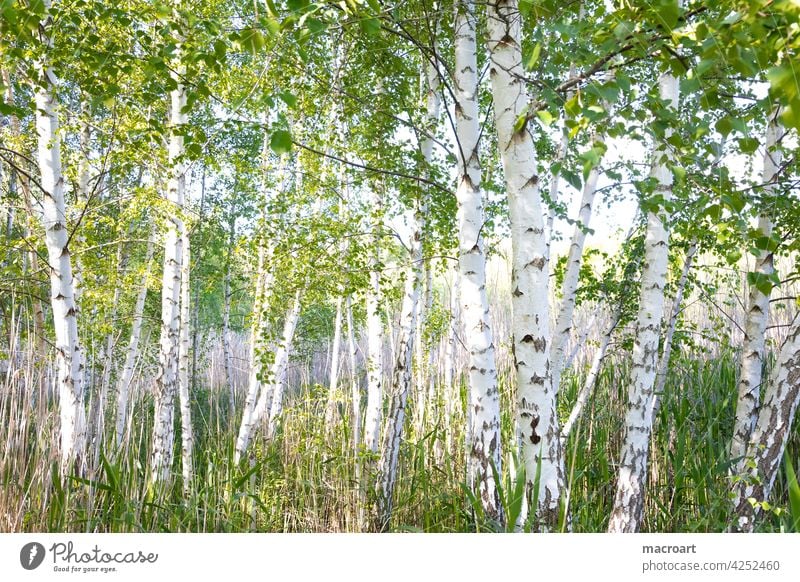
x,y
371,265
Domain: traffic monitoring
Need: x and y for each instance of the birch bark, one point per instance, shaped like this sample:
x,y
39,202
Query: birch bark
x,y
31,258
187,433
226,314
591,379
627,513
167,381
333,379
257,382
570,285
132,353
771,433
753,348
402,373
270,400
355,391
536,399
484,399
401,381
372,422
69,366
663,365
258,331
281,365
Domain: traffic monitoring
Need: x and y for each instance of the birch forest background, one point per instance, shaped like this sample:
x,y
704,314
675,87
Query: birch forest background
x,y
365,265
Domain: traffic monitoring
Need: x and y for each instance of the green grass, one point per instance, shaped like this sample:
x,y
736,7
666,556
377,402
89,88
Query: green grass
x,y
305,481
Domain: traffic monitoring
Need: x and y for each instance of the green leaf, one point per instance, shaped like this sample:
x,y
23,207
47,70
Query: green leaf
x,y
791,114
272,8
572,178
6,109
546,117
288,98
733,257
37,7
760,281
220,49
371,26
316,26
669,11
573,106
251,40
534,58
194,150
237,484
281,142
521,121
163,11
748,145
794,492
679,172
724,126
735,201
623,29
273,26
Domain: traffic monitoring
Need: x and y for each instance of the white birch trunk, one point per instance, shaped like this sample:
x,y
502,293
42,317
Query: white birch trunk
x,y
401,382
484,398
772,431
83,192
555,181
541,445
372,422
96,429
282,364
355,392
628,507
226,317
561,153
591,379
422,410
663,365
570,285
132,353
258,331
402,374
31,259
451,388
430,83
69,366
580,341
333,379
753,348
167,381
187,433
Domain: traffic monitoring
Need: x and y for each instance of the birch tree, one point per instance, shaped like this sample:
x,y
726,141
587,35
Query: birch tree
x,y
771,433
372,422
69,361
484,398
278,387
402,373
401,382
628,509
167,381
132,352
536,398
226,312
187,432
569,287
753,348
